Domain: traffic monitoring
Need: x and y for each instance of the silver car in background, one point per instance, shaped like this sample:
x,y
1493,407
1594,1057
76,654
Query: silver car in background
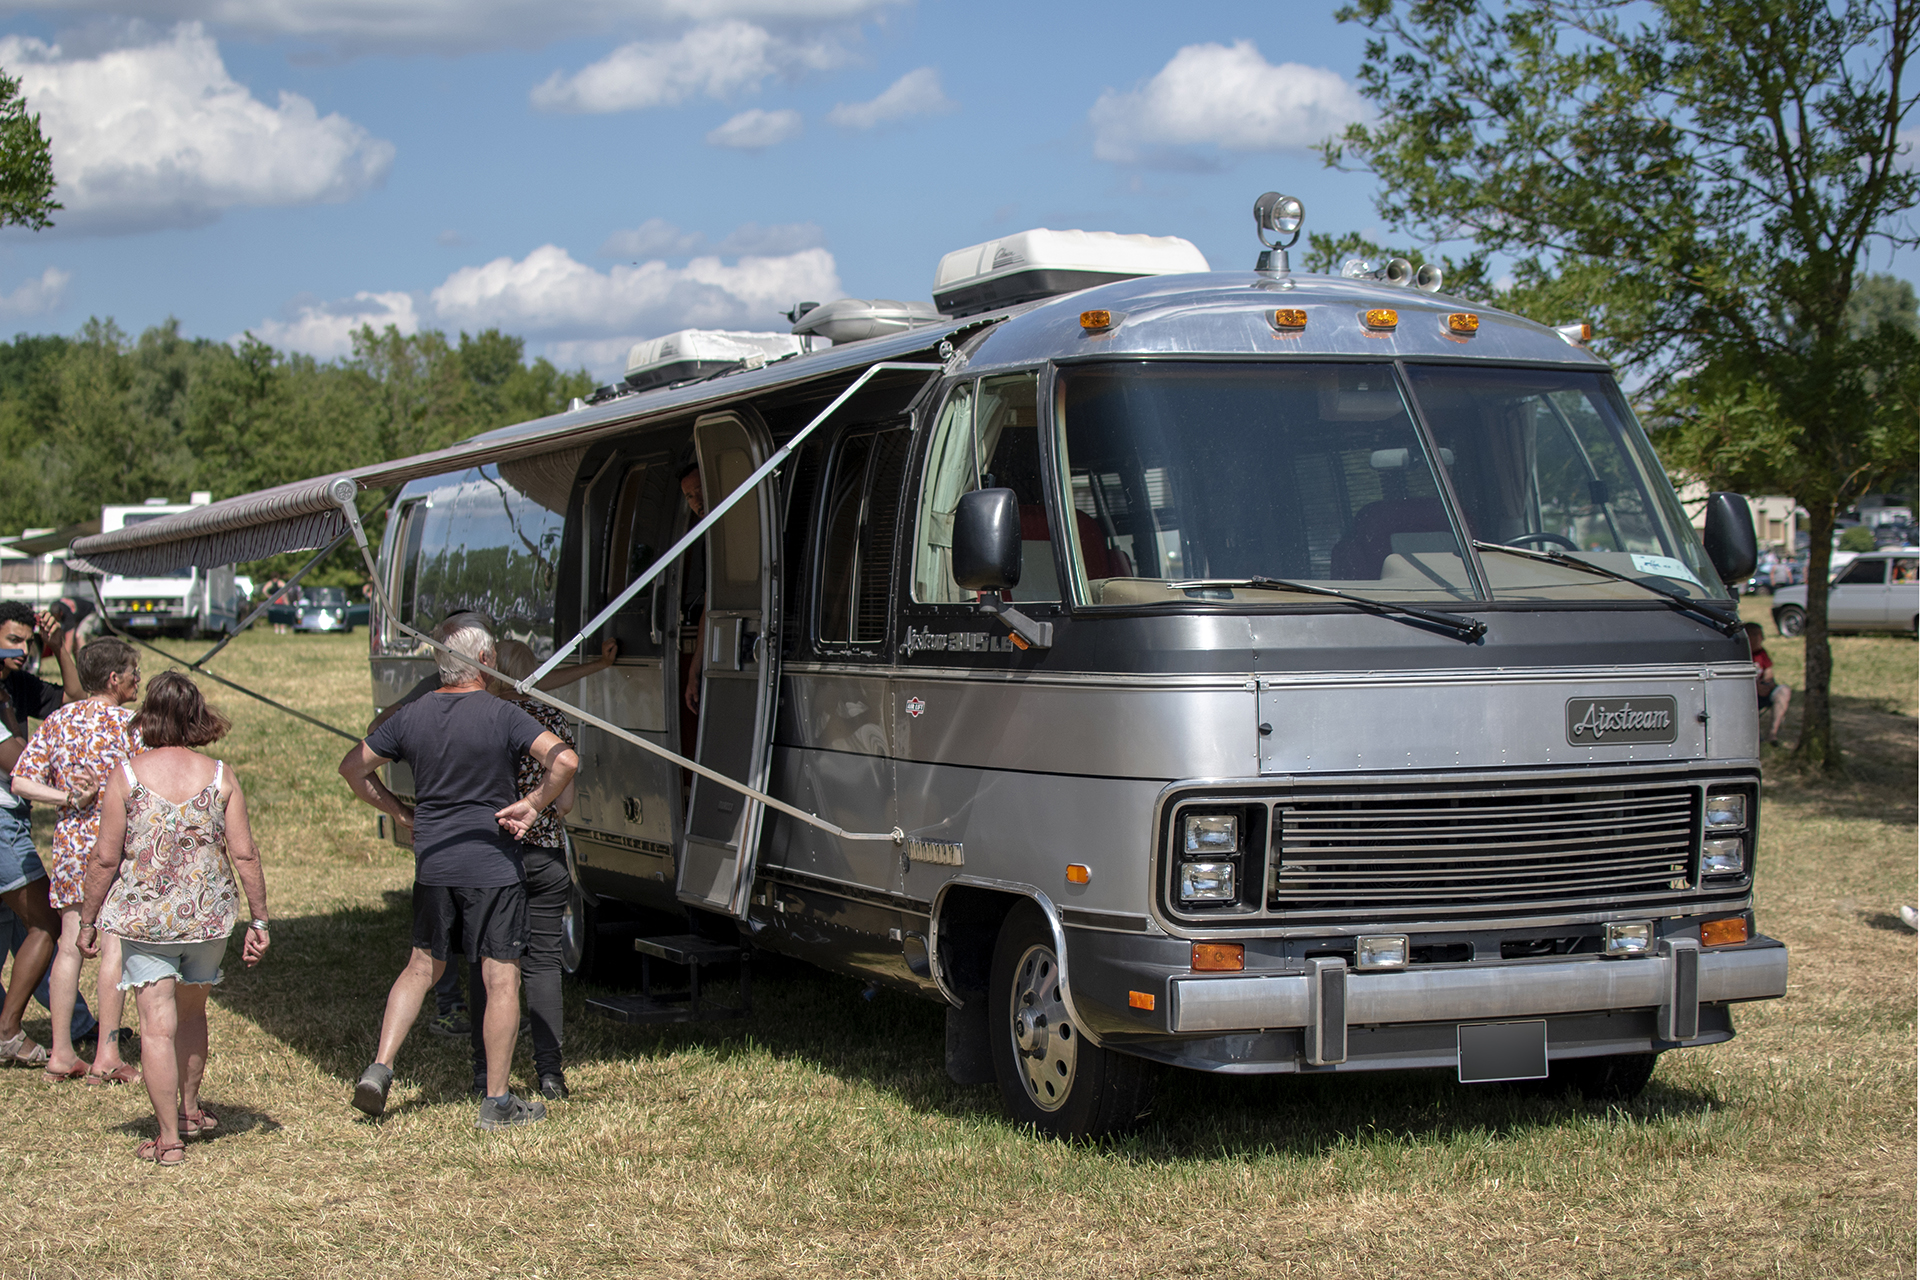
x,y
1877,591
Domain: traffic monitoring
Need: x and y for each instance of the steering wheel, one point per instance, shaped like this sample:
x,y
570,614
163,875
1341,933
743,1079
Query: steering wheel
x,y
1568,543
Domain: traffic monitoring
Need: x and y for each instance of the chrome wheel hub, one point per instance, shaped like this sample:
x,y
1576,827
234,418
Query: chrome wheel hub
x,y
1045,1046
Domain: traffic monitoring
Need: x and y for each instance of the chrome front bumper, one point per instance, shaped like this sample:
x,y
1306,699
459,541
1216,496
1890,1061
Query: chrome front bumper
x,y
1327,998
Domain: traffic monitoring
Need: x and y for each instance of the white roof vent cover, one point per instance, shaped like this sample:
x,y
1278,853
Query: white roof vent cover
x,y
1043,264
695,353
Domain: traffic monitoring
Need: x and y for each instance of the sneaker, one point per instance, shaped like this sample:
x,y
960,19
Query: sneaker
x,y
370,1091
451,1025
511,1113
553,1085
1910,918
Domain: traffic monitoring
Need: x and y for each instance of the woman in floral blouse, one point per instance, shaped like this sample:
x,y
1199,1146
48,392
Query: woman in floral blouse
x,y
64,764
173,840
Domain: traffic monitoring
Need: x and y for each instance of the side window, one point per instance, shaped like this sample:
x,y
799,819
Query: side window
x,y
1001,417
1906,570
1863,573
640,506
861,509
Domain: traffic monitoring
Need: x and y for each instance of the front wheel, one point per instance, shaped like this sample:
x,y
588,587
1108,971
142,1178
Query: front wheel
x,y
579,930
1051,1076
1792,621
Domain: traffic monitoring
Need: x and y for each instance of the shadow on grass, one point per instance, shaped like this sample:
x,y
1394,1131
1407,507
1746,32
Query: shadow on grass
x,y
1878,745
322,990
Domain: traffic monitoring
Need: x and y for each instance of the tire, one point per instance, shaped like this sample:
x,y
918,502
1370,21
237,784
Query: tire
x,y
1792,620
579,937
1619,1077
1050,1075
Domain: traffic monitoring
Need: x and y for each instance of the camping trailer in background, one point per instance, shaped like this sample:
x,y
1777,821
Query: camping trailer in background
x,y
1244,671
190,600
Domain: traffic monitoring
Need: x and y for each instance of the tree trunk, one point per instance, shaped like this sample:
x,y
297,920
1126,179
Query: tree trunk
x,y
1817,747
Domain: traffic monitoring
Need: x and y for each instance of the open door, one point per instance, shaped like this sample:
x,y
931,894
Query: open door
x,y
739,668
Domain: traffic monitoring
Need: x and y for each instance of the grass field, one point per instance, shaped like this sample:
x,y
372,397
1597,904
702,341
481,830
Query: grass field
x,y
822,1138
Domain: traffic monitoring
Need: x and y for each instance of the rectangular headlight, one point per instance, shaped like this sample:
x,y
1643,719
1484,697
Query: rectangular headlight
x,y
1723,857
1387,951
1207,882
1629,938
1212,833
1727,812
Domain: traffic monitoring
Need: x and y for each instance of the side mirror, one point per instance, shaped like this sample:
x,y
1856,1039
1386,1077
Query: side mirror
x,y
1729,537
986,540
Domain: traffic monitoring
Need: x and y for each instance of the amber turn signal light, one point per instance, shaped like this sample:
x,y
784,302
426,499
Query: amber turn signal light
x,y
1724,933
1463,322
1141,1000
1382,318
1078,873
1096,319
1219,957
1290,318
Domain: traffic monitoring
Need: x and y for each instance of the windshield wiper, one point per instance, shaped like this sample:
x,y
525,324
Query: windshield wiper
x,y
1466,629
1685,604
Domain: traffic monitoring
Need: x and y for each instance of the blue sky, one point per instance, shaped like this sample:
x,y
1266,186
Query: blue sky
x,y
594,172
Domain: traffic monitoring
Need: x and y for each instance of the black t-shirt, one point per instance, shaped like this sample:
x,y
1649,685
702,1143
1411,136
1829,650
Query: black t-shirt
x,y
32,698
463,748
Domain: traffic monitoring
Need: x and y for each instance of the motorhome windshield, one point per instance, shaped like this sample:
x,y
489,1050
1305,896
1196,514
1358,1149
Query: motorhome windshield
x,y
1317,472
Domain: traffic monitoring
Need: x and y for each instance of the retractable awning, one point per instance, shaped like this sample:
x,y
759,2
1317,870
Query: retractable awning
x,y
306,514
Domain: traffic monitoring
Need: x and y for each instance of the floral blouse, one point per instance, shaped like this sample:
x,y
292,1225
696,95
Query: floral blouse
x,y
175,883
80,735
546,831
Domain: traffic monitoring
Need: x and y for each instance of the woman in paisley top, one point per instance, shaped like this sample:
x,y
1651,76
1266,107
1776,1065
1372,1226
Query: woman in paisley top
x,y
173,839
64,764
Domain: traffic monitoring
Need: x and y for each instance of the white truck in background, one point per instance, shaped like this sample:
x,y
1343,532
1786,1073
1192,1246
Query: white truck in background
x,y
182,602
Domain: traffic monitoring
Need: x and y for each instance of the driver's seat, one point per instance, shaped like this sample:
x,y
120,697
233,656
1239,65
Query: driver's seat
x,y
1360,555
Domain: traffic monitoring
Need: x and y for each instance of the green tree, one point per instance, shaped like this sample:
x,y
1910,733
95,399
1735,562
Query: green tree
x,y
26,163
1703,179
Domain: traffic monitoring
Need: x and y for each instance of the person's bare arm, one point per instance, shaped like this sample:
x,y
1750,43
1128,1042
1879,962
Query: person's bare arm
x,y
562,676
80,792
244,856
561,764
64,643
104,867
361,768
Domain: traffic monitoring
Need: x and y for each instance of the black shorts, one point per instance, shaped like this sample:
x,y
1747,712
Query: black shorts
x,y
490,923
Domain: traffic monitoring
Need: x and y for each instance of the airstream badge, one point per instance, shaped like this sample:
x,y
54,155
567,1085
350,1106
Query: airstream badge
x,y
916,707
1596,720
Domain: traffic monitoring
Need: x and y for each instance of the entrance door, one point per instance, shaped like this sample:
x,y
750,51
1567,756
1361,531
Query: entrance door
x,y
739,669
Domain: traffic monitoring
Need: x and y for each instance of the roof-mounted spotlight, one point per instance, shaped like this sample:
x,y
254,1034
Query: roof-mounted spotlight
x,y
1276,220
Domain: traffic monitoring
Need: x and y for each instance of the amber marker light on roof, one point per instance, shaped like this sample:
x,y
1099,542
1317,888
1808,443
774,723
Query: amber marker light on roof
x,y
1383,318
1724,933
1289,318
1219,957
1078,873
1463,322
1096,319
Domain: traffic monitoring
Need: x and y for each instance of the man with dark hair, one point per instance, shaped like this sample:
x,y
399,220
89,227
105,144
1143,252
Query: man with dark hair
x,y
23,880
469,889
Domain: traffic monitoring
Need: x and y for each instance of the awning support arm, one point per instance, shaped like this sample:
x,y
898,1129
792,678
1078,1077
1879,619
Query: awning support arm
x,y
266,604
720,508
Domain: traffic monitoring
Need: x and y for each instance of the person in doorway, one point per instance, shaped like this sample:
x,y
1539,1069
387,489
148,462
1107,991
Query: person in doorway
x,y
173,840
469,888
1770,692
23,879
65,763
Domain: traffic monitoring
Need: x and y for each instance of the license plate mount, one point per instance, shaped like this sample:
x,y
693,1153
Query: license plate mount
x,y
1494,1051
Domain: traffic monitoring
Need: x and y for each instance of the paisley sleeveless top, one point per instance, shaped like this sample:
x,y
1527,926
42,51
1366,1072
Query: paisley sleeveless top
x,y
175,883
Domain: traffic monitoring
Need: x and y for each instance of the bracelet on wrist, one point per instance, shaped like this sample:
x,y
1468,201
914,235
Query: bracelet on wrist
x,y
261,925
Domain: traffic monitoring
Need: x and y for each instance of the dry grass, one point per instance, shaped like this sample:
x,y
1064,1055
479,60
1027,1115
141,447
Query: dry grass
x,y
822,1138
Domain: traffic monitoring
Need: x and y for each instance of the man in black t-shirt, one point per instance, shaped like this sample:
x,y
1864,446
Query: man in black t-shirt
x,y
469,893
23,880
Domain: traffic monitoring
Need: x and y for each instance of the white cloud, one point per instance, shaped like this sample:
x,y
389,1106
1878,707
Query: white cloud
x,y
658,238
547,293
326,329
720,60
755,130
459,26
1216,96
159,135
36,297
654,238
917,93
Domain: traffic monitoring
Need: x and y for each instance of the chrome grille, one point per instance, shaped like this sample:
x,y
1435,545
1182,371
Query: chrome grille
x,y
1439,856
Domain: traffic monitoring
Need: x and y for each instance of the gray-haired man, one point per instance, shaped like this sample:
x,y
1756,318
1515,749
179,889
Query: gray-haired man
x,y
469,888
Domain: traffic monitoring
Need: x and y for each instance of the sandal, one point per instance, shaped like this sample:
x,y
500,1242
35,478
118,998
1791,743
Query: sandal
x,y
122,1074
62,1077
22,1052
168,1156
195,1123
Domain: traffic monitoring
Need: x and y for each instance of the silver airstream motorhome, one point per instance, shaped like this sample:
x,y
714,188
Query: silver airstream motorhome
x,y
1250,672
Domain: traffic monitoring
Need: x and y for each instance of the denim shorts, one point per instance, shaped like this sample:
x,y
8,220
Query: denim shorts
x,y
19,860
196,964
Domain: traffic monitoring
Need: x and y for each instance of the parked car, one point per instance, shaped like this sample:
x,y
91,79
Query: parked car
x,y
319,609
1875,591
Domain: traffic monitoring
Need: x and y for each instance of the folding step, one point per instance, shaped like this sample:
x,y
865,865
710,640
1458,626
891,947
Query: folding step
x,y
689,952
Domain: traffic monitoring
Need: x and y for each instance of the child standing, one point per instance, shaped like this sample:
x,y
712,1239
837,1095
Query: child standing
x,y
65,763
